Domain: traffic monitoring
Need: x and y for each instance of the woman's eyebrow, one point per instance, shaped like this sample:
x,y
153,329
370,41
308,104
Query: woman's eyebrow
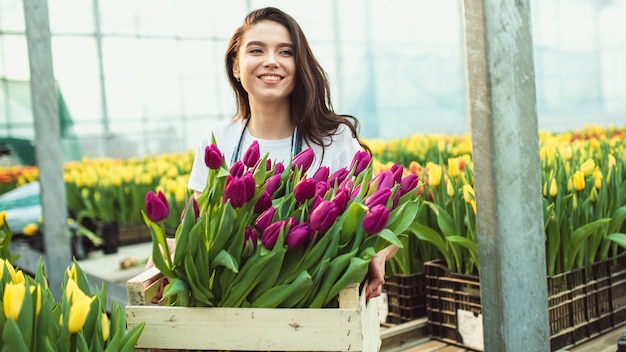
x,y
260,43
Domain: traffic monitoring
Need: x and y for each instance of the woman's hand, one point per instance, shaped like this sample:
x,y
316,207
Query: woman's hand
x,y
377,271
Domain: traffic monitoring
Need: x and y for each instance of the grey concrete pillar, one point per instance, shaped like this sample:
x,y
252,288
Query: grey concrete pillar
x,y
47,143
502,105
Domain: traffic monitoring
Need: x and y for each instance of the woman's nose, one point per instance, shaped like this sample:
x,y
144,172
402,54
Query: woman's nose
x,y
270,61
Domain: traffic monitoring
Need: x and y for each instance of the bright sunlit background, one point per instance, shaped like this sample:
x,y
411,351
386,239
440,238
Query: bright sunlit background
x,y
147,76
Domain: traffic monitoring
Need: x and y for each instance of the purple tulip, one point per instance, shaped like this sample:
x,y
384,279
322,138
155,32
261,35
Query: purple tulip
x,y
408,183
263,203
249,242
265,219
397,171
252,154
321,174
213,157
341,199
196,209
379,197
239,190
355,191
279,168
303,160
347,183
360,161
297,235
237,169
157,207
321,188
384,179
375,219
338,176
272,184
270,234
304,190
323,216
396,200
268,164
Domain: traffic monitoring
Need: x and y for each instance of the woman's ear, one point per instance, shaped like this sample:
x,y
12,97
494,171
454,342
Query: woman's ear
x,y
236,70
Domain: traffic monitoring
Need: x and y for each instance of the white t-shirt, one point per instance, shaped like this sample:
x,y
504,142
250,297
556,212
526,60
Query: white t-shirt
x,y
338,153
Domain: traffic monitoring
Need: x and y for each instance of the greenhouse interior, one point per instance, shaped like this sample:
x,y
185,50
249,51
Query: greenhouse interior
x,y
477,204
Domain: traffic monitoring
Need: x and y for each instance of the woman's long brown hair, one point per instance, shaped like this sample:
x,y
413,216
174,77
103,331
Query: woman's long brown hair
x,y
310,103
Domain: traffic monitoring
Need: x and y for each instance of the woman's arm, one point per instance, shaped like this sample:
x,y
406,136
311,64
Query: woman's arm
x,y
377,271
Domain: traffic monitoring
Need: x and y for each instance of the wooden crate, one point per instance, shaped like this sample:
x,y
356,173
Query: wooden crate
x,y
354,326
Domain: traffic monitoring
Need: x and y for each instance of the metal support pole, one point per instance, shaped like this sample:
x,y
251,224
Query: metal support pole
x,y
505,142
47,144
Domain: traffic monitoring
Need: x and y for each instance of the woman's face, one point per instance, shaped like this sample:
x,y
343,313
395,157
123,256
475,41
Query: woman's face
x,y
266,64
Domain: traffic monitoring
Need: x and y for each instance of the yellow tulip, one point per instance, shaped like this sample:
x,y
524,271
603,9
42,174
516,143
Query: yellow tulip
x,y
574,202
38,293
579,180
449,188
13,299
434,174
18,277
597,177
453,166
553,188
468,193
3,219
587,167
105,327
593,195
71,272
30,229
73,293
473,204
78,314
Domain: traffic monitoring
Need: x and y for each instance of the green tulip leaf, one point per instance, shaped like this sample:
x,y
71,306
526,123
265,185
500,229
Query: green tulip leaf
x,y
427,234
619,238
13,341
403,217
471,246
444,220
390,237
617,219
226,260
577,239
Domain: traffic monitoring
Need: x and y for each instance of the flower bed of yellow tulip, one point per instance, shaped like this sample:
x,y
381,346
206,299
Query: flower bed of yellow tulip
x,y
31,319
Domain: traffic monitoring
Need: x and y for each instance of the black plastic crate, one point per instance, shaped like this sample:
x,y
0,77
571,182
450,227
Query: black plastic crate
x,y
582,304
406,297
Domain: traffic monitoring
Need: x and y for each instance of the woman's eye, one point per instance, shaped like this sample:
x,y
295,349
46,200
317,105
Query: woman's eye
x,y
286,52
255,51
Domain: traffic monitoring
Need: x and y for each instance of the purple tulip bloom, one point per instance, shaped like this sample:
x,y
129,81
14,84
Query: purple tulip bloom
x,y
239,190
265,219
213,157
375,219
338,176
323,216
263,203
321,188
297,235
341,199
196,209
321,174
252,154
360,161
157,207
249,242
397,171
384,179
279,168
272,184
304,190
237,169
303,160
408,183
269,236
379,197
